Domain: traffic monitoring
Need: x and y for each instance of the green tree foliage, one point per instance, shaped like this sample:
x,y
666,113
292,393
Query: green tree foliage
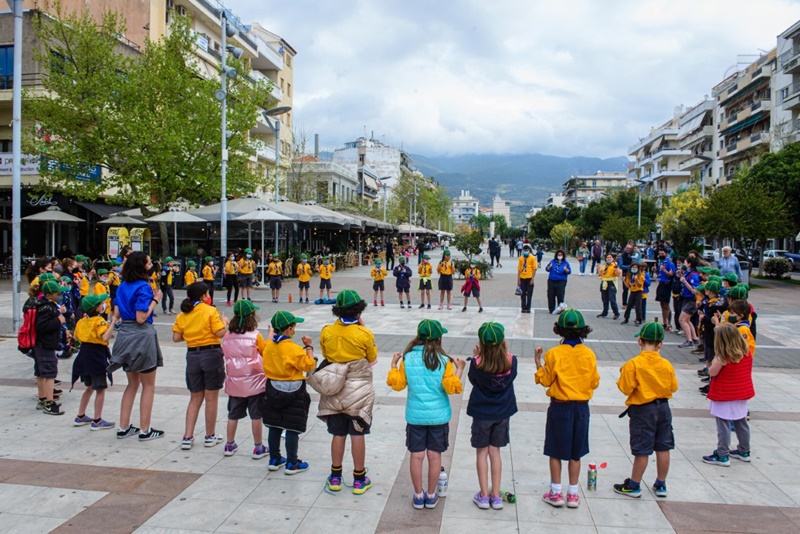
x,y
779,172
562,234
149,120
500,225
681,218
618,229
542,223
468,241
433,204
623,203
480,222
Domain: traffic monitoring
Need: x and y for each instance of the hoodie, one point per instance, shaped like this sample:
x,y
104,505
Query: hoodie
x,y
492,396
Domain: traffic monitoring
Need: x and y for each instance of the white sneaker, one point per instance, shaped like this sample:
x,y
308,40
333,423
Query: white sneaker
x,y
210,441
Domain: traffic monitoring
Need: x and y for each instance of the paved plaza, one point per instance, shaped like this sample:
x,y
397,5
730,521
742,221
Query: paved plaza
x,y
55,477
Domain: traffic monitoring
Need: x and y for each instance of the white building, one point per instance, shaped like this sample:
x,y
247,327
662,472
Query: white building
x,y
378,159
657,159
464,208
554,201
581,189
696,135
786,121
501,207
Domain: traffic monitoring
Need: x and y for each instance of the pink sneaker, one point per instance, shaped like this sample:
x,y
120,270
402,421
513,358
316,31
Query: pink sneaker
x,y
553,499
573,501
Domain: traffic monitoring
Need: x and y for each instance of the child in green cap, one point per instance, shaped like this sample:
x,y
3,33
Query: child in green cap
x,y
304,272
713,303
209,276
425,270
431,375
378,274
190,276
49,319
325,273
101,288
649,381
569,371
403,283
275,273
472,286
445,269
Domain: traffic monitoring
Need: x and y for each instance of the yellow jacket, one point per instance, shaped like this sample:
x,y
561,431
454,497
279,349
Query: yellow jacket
x,y
569,373
342,343
637,284
190,277
445,268
647,377
304,271
246,266
231,267
472,272
209,272
274,269
325,271
113,279
378,273
84,289
91,330
286,360
398,381
425,270
99,289
526,267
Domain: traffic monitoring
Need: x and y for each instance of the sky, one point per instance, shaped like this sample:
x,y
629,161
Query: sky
x,y
567,78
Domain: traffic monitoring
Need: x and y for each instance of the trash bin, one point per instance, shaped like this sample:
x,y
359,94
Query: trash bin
x,y
745,266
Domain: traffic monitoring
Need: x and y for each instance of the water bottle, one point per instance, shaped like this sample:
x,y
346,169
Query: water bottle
x,y
441,486
591,484
509,497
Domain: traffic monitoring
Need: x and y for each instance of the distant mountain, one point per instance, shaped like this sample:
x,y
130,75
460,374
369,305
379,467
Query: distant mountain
x,y
526,180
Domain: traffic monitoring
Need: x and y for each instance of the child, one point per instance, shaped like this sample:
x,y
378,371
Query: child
x,y
93,332
645,291
246,269
445,270
738,314
209,275
304,271
101,288
166,284
245,382
729,281
190,276
114,280
425,270
492,402
731,388
609,277
431,375
472,286
713,304
741,292
275,273
49,320
526,270
201,326
349,350
649,382
231,271
570,374
325,271
286,401
378,274
634,281
403,283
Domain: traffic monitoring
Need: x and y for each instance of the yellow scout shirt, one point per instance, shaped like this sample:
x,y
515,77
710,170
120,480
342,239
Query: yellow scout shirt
x,y
647,377
342,343
274,269
113,279
304,272
199,326
637,284
445,268
748,337
99,289
153,281
286,360
84,289
91,330
469,273
325,271
425,270
526,267
209,272
378,273
246,266
569,373
190,277
231,267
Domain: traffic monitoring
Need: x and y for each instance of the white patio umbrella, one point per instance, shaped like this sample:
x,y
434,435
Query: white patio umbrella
x,y
53,215
120,219
175,216
262,214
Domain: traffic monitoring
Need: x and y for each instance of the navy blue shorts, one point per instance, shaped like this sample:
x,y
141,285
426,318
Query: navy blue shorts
x,y
421,438
324,283
304,285
275,282
567,432
446,282
650,427
378,285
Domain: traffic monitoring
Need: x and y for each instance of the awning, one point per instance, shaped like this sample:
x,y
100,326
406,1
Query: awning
x,y
369,222
656,144
744,124
371,183
103,210
691,126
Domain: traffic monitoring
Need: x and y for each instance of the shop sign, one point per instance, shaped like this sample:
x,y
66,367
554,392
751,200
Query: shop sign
x,y
30,163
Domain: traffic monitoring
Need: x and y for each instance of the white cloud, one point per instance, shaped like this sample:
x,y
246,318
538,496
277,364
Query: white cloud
x,y
574,77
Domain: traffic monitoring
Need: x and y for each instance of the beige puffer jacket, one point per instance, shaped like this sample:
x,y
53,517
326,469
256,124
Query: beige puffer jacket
x,y
345,388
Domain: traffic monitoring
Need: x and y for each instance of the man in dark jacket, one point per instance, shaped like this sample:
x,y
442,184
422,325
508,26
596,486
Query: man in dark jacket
x,y
624,262
597,254
49,319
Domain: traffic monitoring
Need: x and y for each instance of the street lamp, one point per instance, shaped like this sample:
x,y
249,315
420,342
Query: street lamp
x,y
276,129
221,95
641,189
383,181
16,165
703,172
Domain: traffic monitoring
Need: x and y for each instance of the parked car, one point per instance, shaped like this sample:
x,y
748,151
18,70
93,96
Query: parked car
x,y
749,254
709,253
793,258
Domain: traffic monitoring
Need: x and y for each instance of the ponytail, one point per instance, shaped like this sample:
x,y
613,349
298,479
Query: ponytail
x,y
194,295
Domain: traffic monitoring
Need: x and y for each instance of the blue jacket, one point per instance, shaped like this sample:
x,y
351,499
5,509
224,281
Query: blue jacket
x,y
427,402
557,269
403,274
492,397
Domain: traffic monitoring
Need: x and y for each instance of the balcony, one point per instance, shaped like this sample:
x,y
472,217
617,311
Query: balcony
x,y
702,133
267,58
669,151
264,151
790,60
652,136
667,173
792,99
694,162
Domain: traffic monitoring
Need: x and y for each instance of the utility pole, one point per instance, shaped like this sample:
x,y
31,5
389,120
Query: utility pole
x,y
16,169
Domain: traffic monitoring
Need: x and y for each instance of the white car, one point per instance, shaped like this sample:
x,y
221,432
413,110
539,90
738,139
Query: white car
x,y
793,258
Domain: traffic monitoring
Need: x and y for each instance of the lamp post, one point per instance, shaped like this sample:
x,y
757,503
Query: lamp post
x,y
641,189
383,181
221,95
276,129
16,166
703,172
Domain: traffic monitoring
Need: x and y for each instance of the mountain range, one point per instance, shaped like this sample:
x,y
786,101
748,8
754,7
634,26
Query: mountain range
x,y
525,180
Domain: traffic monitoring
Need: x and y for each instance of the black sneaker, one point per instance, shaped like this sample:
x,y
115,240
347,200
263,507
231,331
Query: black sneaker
x,y
705,379
601,316
421,305
57,382
704,389
616,317
51,408
128,432
429,306
626,489
153,434
480,310
702,372
624,321
57,392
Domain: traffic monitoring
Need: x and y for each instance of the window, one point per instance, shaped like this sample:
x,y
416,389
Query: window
x,y
6,145
782,94
289,90
361,159
6,67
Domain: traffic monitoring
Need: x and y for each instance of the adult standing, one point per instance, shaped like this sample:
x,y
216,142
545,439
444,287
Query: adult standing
x,y
512,246
559,270
389,254
597,254
729,263
494,251
526,269
609,277
136,348
583,257
666,272
624,261
519,247
690,280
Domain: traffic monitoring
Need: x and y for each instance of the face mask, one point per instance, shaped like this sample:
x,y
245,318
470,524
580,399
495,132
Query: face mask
x,y
207,299
104,280
249,255
662,258
733,319
683,267
609,262
326,263
304,261
634,271
425,261
559,258
526,253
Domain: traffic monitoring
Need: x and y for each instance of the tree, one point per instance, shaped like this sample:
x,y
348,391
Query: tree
x,y
621,202
500,225
468,241
542,223
680,219
779,172
149,120
563,233
481,222
433,204
301,180
618,229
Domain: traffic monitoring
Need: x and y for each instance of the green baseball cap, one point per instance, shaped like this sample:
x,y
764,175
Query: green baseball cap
x,y
701,287
651,332
248,251
90,302
190,263
115,263
44,277
208,259
713,286
739,292
473,262
378,261
347,298
731,278
51,286
704,270
572,319
430,329
425,257
304,256
715,272
101,272
402,259
446,252
283,319
80,258
168,259
714,278
244,307
491,333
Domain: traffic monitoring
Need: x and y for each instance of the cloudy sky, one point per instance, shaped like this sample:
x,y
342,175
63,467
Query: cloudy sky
x,y
569,77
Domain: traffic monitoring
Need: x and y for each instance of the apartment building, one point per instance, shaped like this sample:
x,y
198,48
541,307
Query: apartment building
x,y
744,116
554,200
786,92
375,160
580,189
464,208
501,207
696,135
657,159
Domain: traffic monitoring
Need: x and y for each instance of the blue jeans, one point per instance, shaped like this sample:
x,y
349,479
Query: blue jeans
x,y
583,263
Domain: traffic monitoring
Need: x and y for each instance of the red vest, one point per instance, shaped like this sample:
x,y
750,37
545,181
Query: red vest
x,y
734,382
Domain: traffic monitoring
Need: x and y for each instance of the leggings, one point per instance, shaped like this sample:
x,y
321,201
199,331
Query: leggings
x,y
677,304
555,293
233,285
274,442
167,294
210,285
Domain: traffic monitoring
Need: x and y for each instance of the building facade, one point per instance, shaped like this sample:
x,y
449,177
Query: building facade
x,y
696,133
373,161
464,208
501,207
555,200
580,189
657,159
786,96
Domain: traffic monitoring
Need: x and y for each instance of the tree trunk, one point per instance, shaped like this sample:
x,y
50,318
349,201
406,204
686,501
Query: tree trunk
x,y
165,241
761,245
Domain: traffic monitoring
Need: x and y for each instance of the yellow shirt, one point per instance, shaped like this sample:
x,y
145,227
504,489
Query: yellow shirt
x,y
231,267
274,269
748,337
246,266
101,288
378,273
153,281
398,381
113,279
569,373
199,326
526,267
445,268
325,271
342,343
286,360
84,290
609,272
190,277
91,330
209,272
304,272
425,270
472,272
647,377
638,282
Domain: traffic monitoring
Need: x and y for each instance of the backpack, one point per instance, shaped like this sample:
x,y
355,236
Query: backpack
x,y
26,336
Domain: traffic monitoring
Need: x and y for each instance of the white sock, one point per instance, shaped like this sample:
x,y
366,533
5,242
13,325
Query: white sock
x,y
555,488
145,431
573,490
419,495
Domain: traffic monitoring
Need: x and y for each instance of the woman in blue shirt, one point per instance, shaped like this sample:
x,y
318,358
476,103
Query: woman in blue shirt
x,y
690,280
136,348
559,270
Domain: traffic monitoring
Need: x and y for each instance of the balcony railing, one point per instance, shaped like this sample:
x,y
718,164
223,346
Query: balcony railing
x,y
266,152
28,80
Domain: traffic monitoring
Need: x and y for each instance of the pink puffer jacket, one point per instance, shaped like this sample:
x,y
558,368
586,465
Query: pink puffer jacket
x,y
244,369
